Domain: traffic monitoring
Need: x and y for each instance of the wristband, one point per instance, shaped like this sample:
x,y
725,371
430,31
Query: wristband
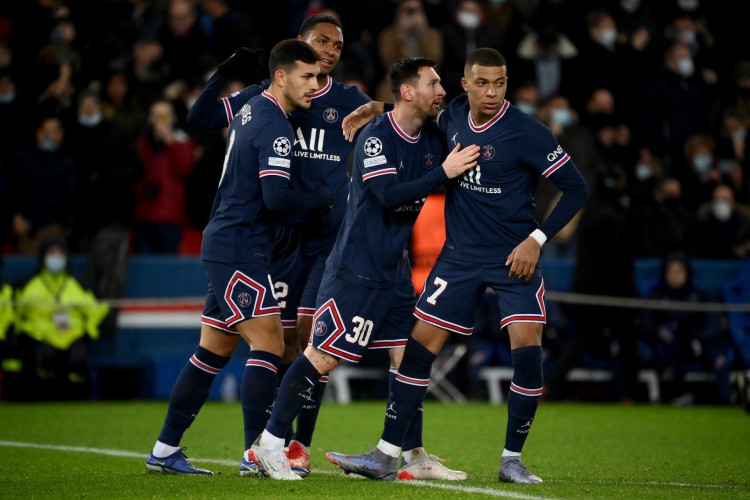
x,y
539,237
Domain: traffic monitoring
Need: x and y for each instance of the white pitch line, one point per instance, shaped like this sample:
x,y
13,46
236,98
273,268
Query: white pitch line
x,y
130,454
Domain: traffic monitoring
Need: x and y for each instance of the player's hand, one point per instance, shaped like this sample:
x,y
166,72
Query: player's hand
x,y
523,259
460,160
357,119
242,65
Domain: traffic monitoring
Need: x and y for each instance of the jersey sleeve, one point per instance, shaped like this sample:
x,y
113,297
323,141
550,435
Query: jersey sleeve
x,y
380,175
548,158
209,111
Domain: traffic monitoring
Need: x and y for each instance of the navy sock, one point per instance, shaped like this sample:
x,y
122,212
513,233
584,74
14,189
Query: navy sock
x,y
308,415
408,392
413,438
524,395
257,392
283,368
296,390
189,393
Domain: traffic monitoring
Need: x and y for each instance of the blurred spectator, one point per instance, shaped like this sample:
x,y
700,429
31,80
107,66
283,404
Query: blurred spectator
x,y
56,97
228,28
409,35
466,31
147,69
12,132
185,42
44,180
701,176
672,108
662,223
167,155
603,335
121,106
56,318
107,167
525,97
547,57
723,226
677,341
736,96
733,150
508,21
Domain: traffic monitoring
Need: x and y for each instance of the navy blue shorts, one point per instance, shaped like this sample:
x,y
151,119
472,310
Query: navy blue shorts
x,y
453,290
297,267
237,292
351,318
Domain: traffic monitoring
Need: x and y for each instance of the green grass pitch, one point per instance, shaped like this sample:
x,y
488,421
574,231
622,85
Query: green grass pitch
x,y
97,450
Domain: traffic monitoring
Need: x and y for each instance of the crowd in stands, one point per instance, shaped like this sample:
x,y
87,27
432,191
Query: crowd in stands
x,y
650,98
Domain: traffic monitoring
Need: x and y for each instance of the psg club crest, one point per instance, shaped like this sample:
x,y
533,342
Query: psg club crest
x,y
373,146
282,146
321,328
244,299
331,115
429,160
488,152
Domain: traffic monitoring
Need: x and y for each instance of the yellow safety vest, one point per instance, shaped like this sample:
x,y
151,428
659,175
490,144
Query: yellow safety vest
x,y
6,310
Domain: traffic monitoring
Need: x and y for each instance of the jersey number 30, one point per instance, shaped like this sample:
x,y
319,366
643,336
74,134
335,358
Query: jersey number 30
x,y
361,331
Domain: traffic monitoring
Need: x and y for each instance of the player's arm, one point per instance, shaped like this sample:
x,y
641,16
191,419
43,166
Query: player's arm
x,y
362,116
393,194
279,197
209,111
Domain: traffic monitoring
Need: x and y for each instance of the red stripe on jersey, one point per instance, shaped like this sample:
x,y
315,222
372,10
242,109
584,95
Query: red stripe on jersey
x,y
559,163
203,366
529,318
400,131
452,327
305,311
288,323
261,364
258,310
271,98
328,346
324,379
526,392
421,382
387,344
220,325
228,110
385,171
493,120
326,88
280,173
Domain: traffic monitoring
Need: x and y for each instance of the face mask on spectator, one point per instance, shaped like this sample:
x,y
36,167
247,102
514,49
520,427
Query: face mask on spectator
x,y
49,145
7,97
739,134
468,20
688,4
607,37
55,262
527,108
630,5
643,171
722,210
702,163
562,117
89,121
685,67
688,37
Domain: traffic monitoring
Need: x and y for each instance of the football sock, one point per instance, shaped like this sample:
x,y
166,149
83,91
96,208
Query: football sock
x,y
283,368
409,390
524,395
308,415
413,438
189,393
257,392
296,390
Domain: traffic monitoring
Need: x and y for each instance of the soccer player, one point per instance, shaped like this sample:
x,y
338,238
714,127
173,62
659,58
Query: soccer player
x,y
303,244
236,246
492,240
366,296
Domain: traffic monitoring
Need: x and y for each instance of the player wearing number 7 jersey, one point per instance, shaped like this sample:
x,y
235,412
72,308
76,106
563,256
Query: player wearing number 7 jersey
x,y
366,296
492,240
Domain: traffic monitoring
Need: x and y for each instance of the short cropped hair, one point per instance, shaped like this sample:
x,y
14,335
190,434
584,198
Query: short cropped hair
x,y
406,70
485,56
312,21
286,53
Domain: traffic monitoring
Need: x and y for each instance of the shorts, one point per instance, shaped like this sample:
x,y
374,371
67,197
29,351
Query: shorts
x,y
351,318
453,290
297,266
237,292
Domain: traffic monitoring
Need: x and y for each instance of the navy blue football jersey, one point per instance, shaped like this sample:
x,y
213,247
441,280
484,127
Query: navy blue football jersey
x,y
391,176
259,144
320,149
490,210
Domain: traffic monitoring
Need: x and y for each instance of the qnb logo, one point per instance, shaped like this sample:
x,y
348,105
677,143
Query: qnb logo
x,y
557,153
312,143
474,175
